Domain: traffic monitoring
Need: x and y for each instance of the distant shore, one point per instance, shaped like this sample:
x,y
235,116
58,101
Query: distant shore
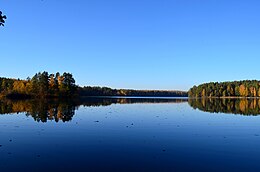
x,y
55,85
232,97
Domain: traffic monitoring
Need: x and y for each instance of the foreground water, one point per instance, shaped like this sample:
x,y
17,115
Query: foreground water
x,y
130,135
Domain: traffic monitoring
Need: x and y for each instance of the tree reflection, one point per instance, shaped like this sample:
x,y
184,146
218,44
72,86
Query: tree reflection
x,y
234,106
41,110
106,101
44,110
57,111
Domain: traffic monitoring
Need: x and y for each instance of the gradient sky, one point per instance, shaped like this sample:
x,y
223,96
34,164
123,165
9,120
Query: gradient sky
x,y
140,44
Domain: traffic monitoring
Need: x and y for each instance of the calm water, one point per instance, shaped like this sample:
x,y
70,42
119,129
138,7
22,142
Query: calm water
x,y
130,135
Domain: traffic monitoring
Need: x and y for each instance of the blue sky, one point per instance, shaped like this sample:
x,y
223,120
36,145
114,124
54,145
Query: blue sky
x,y
140,44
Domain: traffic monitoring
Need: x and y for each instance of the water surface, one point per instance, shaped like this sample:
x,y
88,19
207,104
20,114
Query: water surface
x,y
113,134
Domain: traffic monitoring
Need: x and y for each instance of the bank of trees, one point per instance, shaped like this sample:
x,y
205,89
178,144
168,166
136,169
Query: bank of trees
x,y
40,85
106,91
44,85
246,88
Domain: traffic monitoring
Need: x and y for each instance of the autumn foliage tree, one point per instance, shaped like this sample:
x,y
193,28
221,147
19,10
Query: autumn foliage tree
x,y
41,85
247,88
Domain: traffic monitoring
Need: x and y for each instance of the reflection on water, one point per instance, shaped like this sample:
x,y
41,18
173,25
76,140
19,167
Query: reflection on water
x,y
108,101
234,106
40,110
110,134
57,110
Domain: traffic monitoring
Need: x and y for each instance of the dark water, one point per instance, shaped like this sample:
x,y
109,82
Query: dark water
x,y
130,135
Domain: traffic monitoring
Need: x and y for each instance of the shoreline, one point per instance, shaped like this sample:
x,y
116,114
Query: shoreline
x,y
224,97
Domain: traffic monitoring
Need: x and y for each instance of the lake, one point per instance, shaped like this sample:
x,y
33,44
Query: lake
x,y
130,134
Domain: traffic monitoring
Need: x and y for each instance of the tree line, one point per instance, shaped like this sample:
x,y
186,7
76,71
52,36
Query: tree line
x,y
245,88
45,85
106,91
40,85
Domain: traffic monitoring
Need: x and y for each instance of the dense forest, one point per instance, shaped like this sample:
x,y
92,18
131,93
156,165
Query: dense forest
x,y
40,85
246,88
45,85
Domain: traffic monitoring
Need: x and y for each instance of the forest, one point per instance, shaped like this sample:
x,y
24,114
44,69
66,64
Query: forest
x,y
41,85
45,85
106,91
245,88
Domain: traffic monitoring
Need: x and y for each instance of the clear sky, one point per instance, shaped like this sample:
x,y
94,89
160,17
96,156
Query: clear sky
x,y
140,44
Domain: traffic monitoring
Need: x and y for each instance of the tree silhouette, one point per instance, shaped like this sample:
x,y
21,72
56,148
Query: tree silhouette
x,y
2,19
